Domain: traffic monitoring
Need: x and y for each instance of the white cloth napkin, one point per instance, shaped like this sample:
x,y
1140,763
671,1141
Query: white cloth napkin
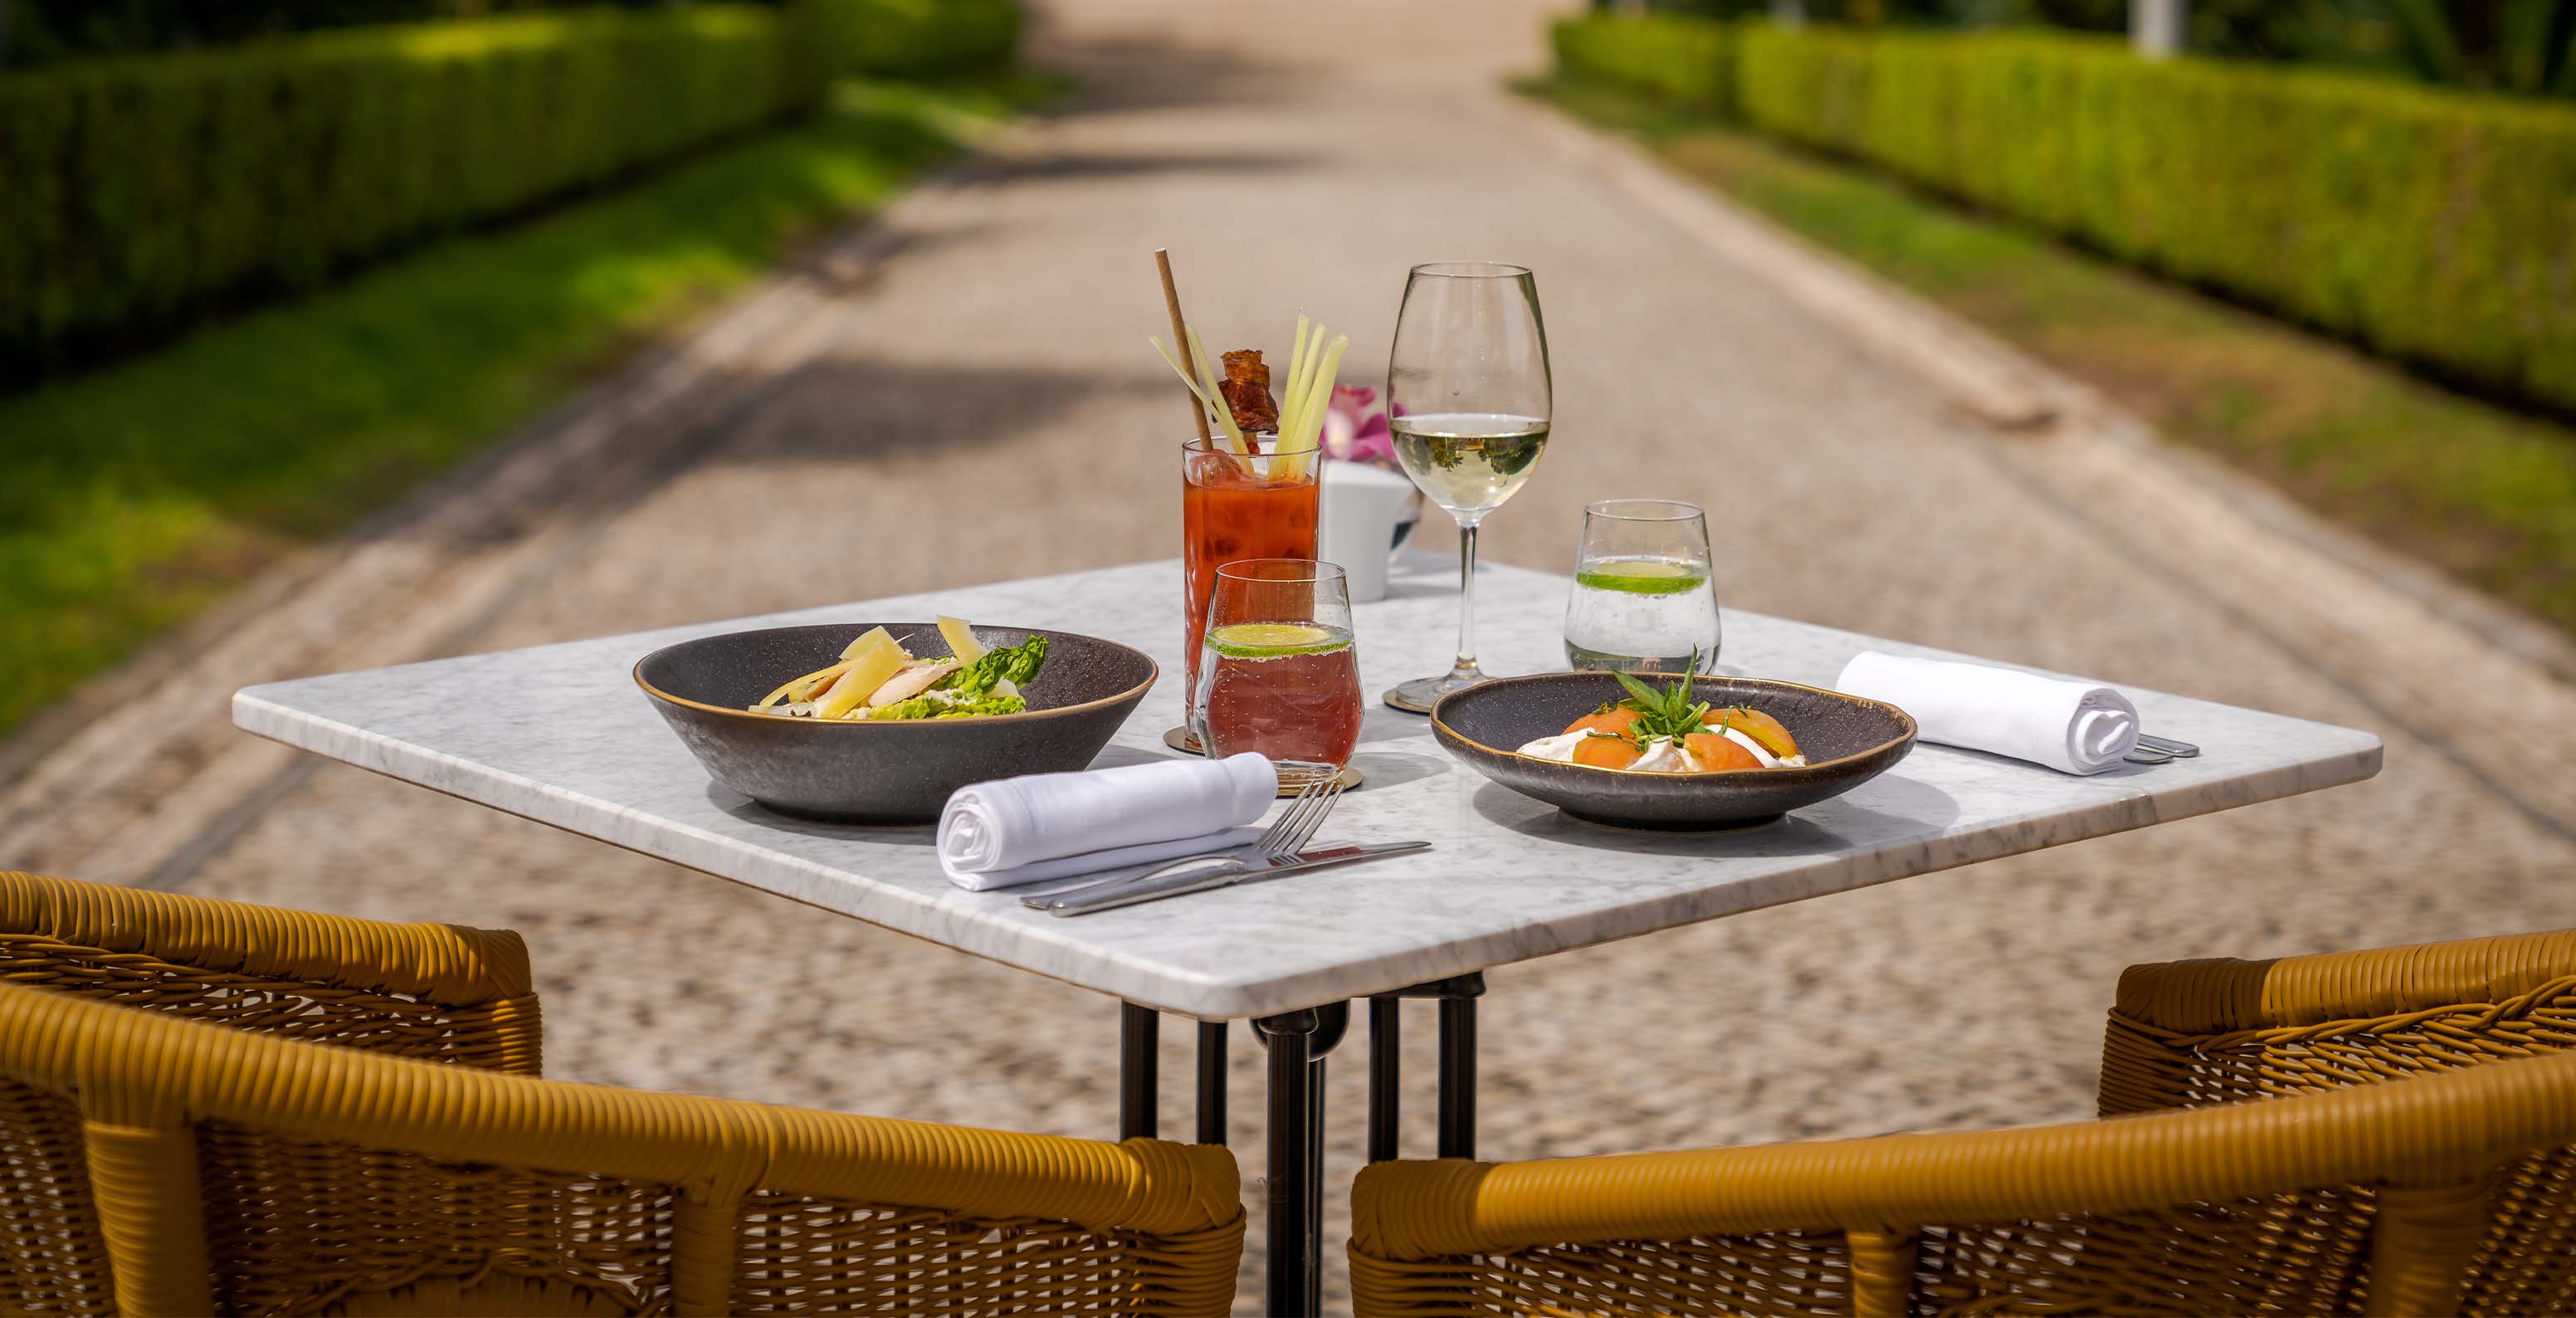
x,y
2069,726
1050,825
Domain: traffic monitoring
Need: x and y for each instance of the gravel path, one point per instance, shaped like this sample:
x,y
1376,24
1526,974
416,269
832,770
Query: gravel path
x,y
987,407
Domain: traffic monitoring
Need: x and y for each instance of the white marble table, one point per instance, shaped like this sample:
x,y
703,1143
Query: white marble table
x,y
1508,878
560,734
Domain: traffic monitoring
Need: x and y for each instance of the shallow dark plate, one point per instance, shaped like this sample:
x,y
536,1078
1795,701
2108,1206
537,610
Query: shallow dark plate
x,y
1847,742
895,772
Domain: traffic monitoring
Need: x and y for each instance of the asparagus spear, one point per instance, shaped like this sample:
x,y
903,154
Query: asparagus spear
x,y
1018,664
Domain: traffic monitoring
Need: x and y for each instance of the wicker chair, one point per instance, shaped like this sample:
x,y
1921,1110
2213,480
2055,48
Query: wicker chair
x,y
441,993
435,992
2295,1182
153,1164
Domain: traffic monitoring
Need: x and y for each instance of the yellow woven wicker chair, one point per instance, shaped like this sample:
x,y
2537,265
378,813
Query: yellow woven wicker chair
x,y
438,992
241,1172
2305,1185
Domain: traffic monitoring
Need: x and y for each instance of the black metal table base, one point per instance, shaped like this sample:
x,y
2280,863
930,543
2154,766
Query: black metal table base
x,y
1296,1043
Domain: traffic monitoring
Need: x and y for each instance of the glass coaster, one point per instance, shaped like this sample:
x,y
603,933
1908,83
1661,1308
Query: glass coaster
x,y
1350,779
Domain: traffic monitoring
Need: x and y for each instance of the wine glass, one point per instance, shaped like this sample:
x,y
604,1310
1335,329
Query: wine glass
x,y
1642,600
1468,399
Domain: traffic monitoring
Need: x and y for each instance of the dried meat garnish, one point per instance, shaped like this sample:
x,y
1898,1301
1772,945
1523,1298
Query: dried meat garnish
x,y
1246,388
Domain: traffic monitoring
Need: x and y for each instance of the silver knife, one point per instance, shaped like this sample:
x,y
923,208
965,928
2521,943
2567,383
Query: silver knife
x,y
1255,870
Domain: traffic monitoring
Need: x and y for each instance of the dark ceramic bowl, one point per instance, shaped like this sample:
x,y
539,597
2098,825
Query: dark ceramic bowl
x,y
894,772
1847,742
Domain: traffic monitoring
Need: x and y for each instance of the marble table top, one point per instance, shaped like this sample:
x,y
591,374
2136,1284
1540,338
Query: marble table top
x,y
560,734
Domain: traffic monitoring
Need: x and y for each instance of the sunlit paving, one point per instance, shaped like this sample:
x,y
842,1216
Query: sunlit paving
x,y
1014,657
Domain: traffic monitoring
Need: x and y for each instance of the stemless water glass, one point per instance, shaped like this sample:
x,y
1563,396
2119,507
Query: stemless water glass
x,y
1277,672
1642,598
1468,400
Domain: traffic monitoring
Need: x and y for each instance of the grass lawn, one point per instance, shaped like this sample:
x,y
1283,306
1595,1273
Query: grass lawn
x,y
2485,493
131,497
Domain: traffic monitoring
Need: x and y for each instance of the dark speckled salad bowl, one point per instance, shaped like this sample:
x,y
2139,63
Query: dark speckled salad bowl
x,y
891,772
1847,742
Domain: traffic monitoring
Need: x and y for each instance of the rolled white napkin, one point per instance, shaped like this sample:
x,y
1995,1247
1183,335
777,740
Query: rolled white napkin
x,y
2072,727
1050,825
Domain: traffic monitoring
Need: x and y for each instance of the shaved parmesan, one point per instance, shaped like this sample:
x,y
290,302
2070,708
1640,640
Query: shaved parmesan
x,y
962,645
873,658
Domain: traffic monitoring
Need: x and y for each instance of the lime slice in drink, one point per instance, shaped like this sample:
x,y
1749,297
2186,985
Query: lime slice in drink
x,y
1642,576
1275,640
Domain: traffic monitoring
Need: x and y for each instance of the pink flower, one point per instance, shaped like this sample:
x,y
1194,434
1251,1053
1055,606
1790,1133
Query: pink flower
x,y
1355,429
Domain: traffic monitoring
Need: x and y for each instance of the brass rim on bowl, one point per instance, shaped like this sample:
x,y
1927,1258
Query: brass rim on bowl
x,y
1903,718
1153,674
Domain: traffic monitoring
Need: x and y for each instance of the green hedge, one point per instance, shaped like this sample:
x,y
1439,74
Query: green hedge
x,y
904,38
2435,226
135,192
1686,62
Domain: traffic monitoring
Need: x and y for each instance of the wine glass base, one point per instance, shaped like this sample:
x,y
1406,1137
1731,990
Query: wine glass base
x,y
1183,740
1420,694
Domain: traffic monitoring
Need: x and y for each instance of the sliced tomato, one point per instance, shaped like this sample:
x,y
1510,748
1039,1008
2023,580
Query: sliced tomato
x,y
1606,752
1712,751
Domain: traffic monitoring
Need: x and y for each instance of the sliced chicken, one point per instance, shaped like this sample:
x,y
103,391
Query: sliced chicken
x,y
911,682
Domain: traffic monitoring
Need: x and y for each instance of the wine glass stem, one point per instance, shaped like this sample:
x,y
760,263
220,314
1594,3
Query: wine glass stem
x,y
1466,598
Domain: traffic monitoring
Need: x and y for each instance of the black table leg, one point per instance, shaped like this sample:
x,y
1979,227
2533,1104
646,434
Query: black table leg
x,y
1457,998
1291,1192
1297,1042
1139,1078
1386,1073
1458,1076
1211,1082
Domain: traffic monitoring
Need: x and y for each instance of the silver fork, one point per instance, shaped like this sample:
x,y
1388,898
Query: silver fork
x,y
2160,750
1286,836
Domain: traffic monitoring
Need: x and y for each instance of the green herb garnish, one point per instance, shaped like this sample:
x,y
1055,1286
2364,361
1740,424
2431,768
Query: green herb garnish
x,y
1666,713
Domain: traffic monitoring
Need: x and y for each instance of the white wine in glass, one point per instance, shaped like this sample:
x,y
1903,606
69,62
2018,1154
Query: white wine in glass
x,y
1469,462
1468,397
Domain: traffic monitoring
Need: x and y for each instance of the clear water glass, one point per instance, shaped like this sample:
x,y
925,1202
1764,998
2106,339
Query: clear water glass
x,y
1643,600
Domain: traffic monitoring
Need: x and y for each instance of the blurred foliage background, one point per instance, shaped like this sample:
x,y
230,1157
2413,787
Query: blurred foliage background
x,y
257,281
2523,46
2123,217
35,32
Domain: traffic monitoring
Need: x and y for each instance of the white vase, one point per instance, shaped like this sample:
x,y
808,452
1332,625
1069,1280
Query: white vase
x,y
1363,504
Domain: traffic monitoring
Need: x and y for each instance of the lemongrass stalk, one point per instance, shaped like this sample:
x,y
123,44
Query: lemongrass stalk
x,y
1308,416
1234,440
1319,395
1298,363
1175,364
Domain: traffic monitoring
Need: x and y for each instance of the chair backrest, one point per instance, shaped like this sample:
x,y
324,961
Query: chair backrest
x,y
2190,1033
2403,1198
435,992
2186,1033
236,1172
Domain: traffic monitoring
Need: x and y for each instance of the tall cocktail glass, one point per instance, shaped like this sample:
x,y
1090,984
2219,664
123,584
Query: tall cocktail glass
x,y
1236,506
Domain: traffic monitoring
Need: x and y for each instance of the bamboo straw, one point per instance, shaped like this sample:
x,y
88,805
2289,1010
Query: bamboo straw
x,y
1181,337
